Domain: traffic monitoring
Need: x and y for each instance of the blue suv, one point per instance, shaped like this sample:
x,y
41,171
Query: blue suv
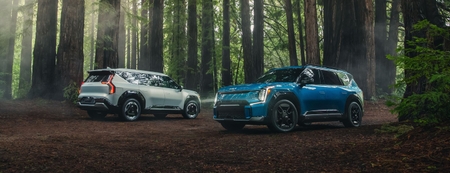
x,y
285,97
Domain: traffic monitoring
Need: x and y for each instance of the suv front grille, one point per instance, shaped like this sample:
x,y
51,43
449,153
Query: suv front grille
x,y
231,110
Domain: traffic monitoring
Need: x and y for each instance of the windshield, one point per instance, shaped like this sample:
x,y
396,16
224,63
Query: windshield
x,y
280,75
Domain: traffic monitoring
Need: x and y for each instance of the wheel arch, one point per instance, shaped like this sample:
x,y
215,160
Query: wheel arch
x,y
131,94
192,97
285,95
354,97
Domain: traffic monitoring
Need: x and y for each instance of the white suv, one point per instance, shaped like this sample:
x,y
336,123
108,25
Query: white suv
x,y
130,93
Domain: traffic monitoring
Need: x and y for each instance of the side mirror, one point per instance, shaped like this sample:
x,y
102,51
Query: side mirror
x,y
306,77
180,87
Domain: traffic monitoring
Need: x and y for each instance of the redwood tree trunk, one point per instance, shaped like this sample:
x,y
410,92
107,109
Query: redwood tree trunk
x,y
106,54
207,79
156,45
247,41
144,58
312,36
70,58
191,82
291,35
10,57
300,33
44,50
134,36
258,40
122,38
349,40
26,52
226,61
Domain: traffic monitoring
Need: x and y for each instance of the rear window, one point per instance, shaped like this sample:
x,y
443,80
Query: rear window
x,y
97,77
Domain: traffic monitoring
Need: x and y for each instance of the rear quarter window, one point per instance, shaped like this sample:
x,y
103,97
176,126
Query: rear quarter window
x,y
97,77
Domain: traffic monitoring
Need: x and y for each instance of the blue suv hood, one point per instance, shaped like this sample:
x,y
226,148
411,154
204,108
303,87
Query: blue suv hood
x,y
248,87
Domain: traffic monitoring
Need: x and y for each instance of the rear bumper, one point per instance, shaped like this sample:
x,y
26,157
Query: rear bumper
x,y
96,104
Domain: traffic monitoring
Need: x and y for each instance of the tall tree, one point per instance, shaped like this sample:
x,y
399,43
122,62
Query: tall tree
x,y
300,33
207,80
291,36
92,28
349,40
106,53
380,43
26,51
70,58
44,50
391,47
192,61
415,11
247,41
134,36
122,37
144,58
226,61
312,35
258,39
156,45
10,57
178,41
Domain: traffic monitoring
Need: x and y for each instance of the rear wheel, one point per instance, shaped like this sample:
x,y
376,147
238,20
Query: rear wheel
x,y
353,115
284,116
232,126
160,115
97,115
131,110
191,109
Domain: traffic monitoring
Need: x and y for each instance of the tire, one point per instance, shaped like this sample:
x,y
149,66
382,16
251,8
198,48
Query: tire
x,y
191,109
160,116
353,115
232,126
131,110
284,116
97,115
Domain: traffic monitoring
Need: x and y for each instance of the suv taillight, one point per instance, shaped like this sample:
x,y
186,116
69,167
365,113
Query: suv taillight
x,y
112,88
79,89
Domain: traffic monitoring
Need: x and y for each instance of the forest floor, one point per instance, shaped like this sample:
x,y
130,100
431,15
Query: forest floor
x,y
51,136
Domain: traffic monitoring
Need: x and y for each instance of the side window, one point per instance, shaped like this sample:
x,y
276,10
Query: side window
x,y
169,83
154,80
330,78
344,78
316,76
130,77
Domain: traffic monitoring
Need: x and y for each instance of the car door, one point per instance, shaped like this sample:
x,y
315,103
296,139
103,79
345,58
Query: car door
x,y
312,94
172,93
150,87
334,90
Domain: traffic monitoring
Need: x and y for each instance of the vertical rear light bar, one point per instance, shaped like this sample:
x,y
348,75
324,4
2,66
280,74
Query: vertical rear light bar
x,y
112,88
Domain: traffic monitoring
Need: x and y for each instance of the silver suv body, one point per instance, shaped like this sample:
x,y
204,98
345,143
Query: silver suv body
x,y
130,93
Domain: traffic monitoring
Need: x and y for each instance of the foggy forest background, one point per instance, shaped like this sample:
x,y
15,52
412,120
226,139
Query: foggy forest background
x,y
47,46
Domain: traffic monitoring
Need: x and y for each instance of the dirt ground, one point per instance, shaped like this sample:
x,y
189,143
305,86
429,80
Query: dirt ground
x,y
50,136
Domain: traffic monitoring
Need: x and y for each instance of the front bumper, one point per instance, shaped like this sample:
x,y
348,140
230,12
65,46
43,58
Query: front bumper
x,y
95,104
241,111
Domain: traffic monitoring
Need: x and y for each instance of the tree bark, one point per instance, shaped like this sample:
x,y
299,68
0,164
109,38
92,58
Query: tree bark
x,y
191,82
144,58
134,36
226,61
349,40
258,39
312,35
156,45
291,35
106,54
247,41
92,38
207,79
26,51
44,50
300,33
122,37
70,57
10,57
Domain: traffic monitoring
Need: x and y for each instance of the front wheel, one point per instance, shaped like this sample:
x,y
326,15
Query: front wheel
x,y
97,115
131,110
232,126
191,109
284,116
353,115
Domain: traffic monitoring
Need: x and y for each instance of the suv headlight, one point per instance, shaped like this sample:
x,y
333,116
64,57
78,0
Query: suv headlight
x,y
263,93
215,99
